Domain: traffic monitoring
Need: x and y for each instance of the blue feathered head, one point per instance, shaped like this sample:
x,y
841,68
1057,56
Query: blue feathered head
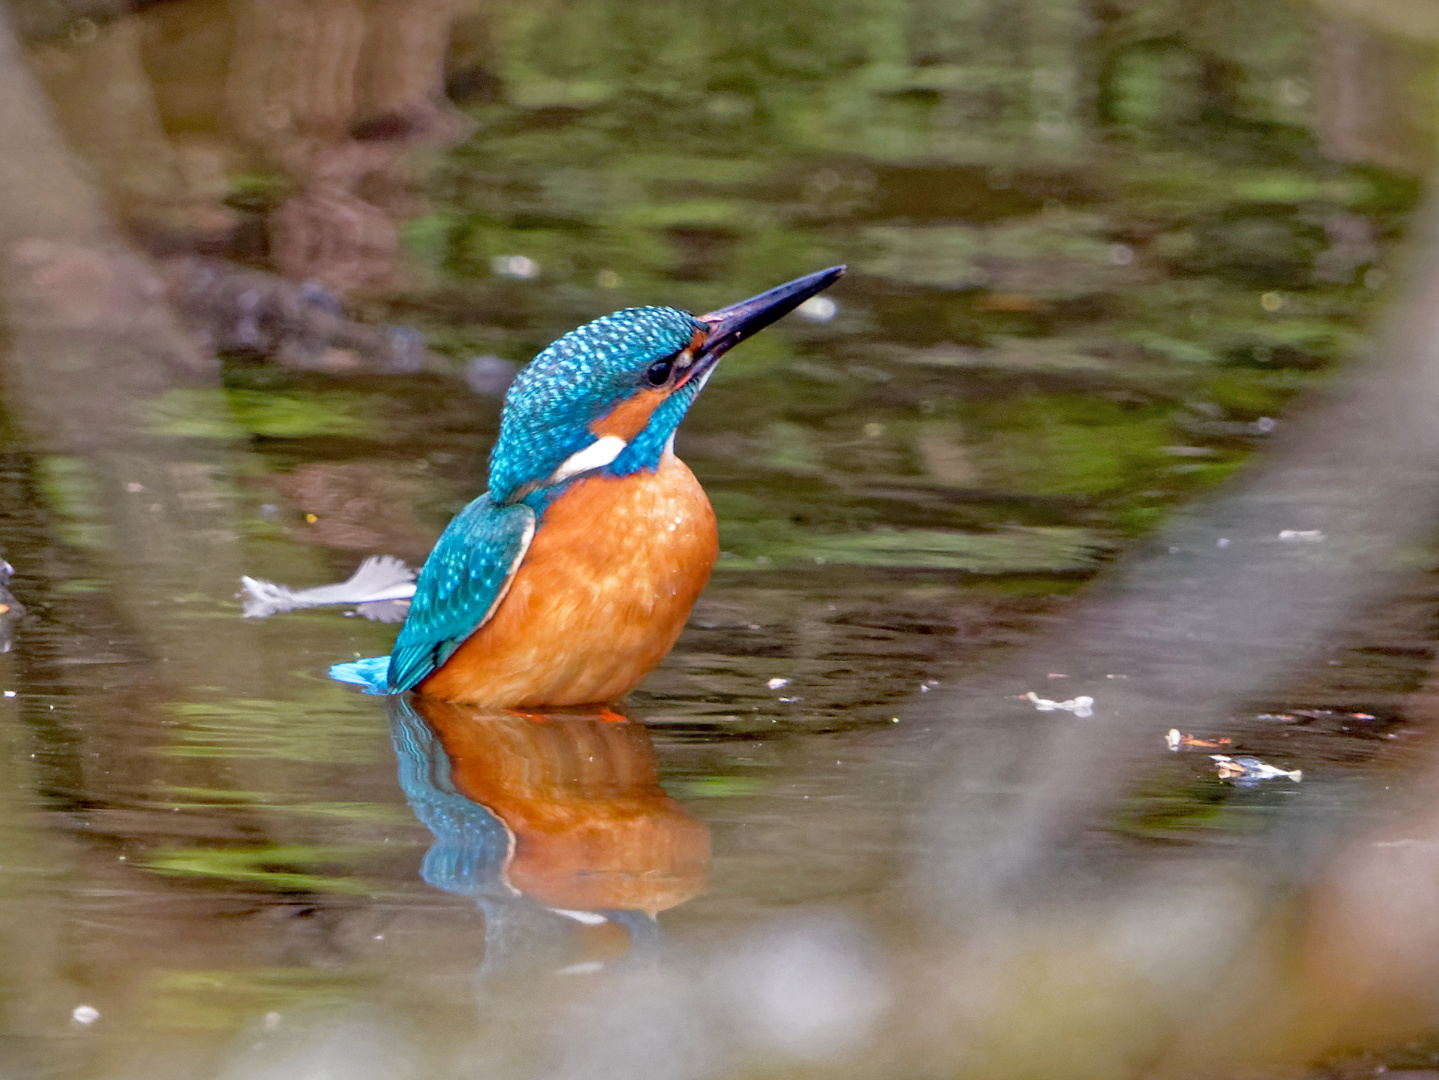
x,y
609,396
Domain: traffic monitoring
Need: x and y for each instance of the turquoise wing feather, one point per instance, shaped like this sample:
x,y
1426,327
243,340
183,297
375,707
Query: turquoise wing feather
x,y
460,585
459,588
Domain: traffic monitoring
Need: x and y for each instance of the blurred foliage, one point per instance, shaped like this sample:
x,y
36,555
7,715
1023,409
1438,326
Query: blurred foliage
x,y
223,999
273,866
69,487
219,413
1087,235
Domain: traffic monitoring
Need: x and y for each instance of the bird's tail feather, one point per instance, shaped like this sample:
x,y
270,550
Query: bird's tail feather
x,y
372,674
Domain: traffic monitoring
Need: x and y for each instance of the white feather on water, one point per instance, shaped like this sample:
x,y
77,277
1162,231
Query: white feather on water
x,y
381,589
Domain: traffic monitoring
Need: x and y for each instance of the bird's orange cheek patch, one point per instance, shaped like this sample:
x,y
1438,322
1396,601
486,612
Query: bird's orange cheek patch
x,y
629,417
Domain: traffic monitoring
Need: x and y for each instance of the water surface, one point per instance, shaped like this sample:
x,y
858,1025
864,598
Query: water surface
x,y
1094,257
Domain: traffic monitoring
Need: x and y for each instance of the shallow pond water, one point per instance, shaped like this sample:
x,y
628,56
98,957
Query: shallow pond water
x,y
1094,255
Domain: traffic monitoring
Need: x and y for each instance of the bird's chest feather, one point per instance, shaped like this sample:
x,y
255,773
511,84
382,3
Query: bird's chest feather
x,y
634,542
604,590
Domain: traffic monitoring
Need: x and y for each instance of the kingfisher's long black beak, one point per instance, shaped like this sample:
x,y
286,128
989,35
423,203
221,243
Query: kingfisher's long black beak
x,y
730,325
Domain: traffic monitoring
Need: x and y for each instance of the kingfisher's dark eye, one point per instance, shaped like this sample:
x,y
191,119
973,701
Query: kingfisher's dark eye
x,y
658,373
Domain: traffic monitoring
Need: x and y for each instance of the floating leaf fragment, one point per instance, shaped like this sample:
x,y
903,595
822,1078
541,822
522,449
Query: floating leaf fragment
x,y
1082,706
1176,741
1248,770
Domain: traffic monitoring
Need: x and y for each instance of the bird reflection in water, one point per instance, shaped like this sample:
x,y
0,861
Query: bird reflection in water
x,y
556,824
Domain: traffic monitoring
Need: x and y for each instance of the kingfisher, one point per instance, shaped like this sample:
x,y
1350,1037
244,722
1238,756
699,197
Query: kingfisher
x,y
572,576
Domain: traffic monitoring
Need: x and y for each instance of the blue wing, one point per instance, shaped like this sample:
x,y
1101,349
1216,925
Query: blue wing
x,y
471,844
460,585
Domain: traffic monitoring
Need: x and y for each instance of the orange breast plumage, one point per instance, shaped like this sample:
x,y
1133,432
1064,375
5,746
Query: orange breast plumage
x,y
599,599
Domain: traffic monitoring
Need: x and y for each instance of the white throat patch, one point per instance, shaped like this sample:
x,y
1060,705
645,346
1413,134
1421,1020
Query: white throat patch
x,y
599,453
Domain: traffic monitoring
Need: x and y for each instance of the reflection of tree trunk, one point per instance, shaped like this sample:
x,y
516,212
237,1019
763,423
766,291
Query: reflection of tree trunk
x,y
92,348
88,344
335,92
92,353
405,61
1367,98
103,101
292,82
147,526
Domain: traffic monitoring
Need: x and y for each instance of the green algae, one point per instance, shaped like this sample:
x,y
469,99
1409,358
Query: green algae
x,y
224,413
287,867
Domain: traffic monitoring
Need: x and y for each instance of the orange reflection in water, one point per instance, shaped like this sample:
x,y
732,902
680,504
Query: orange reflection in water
x,y
580,796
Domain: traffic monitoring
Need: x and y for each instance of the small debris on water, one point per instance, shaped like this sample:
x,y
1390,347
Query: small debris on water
x,y
1301,536
1176,741
1247,770
1082,706
9,693
1222,542
776,683
85,1014
519,267
587,967
1056,675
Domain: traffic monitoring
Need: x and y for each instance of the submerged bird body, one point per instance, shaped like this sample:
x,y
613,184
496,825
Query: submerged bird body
x,y
572,576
